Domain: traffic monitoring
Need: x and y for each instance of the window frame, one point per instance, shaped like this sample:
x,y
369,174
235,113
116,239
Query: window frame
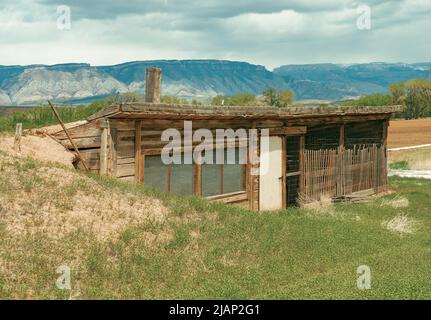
x,y
236,196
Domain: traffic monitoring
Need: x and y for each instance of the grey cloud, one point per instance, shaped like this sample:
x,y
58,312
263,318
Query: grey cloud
x,y
99,9
251,30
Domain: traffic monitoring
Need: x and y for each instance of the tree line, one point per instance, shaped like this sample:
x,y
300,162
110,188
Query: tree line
x,y
269,97
414,95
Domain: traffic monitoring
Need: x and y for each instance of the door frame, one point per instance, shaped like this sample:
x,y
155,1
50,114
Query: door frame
x,y
284,164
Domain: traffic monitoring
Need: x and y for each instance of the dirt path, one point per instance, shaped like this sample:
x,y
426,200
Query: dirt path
x,y
425,174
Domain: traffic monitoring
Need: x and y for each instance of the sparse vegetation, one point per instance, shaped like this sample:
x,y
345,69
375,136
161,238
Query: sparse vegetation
x,y
270,97
200,249
43,116
414,95
370,100
399,165
245,99
419,159
277,98
173,100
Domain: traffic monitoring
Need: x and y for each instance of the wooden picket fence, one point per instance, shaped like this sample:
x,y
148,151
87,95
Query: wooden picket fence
x,y
342,173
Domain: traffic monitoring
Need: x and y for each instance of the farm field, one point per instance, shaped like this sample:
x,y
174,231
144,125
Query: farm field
x,y
405,133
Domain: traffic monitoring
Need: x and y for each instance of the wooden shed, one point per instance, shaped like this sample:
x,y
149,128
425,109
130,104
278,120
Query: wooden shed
x,y
337,152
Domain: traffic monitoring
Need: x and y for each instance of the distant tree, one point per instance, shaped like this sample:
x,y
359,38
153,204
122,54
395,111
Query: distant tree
x,y
173,100
196,102
218,100
244,99
376,99
397,91
285,98
270,95
277,98
417,98
128,97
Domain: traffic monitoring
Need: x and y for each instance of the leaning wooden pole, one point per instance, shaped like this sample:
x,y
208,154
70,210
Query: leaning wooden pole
x,y
18,134
68,135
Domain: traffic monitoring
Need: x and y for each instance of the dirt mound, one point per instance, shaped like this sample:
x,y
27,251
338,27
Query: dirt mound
x,y
57,127
38,147
38,198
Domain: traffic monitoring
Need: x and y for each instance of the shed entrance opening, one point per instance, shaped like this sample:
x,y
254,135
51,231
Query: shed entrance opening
x,y
293,169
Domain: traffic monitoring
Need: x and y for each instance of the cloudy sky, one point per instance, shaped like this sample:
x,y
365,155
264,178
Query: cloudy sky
x,y
266,32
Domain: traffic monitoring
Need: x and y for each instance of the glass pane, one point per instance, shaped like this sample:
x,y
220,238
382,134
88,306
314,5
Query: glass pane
x,y
211,179
233,178
232,175
155,173
182,179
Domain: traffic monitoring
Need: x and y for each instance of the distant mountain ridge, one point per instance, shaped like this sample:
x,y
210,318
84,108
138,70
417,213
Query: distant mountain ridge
x,y
23,85
336,81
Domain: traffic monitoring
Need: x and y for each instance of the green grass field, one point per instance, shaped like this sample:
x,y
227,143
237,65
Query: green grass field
x,y
211,250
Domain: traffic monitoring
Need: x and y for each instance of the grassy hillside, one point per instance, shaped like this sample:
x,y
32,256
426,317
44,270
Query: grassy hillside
x,y
124,241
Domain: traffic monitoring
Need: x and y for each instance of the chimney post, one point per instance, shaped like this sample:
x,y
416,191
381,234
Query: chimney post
x,y
154,78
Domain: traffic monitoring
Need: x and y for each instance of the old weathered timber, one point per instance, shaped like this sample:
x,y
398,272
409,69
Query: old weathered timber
x,y
68,136
18,135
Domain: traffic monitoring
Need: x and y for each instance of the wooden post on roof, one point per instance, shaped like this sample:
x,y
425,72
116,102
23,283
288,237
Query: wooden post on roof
x,y
18,134
154,78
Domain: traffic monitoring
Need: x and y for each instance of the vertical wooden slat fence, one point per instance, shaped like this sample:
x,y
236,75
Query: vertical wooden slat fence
x,y
340,172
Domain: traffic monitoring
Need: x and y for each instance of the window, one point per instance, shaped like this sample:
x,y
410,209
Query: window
x,y
175,178
219,179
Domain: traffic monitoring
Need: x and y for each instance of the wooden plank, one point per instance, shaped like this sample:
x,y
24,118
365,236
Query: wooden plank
x,y
109,111
142,173
342,135
162,124
91,154
233,198
251,154
197,176
83,143
125,170
104,149
288,131
138,152
128,178
228,195
259,112
168,178
126,160
90,129
222,179
302,169
113,142
384,173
